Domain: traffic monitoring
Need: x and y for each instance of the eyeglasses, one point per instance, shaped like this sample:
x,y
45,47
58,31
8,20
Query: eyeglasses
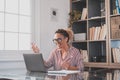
x,y
58,40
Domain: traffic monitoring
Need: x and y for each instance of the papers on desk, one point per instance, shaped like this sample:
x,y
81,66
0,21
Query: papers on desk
x,y
62,72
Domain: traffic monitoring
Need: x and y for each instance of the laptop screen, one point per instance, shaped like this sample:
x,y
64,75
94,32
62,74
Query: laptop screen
x,y
34,62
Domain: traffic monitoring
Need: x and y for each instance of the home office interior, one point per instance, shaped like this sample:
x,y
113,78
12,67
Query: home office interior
x,y
95,24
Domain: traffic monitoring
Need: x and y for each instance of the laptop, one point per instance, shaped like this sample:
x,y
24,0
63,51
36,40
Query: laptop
x,y
34,62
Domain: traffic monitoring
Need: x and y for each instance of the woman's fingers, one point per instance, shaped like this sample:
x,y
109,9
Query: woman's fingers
x,y
35,48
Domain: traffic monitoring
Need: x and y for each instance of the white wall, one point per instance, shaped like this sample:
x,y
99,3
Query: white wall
x,y
48,25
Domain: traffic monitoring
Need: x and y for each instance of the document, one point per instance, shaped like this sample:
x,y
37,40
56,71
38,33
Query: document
x,y
64,72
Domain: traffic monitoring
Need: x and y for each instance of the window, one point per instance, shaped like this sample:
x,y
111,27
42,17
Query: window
x,y
15,24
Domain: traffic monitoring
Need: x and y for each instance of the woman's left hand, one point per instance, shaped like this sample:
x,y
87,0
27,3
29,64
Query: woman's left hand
x,y
65,65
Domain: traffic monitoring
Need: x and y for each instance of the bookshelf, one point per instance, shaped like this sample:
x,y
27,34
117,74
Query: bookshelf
x,y
114,23
96,31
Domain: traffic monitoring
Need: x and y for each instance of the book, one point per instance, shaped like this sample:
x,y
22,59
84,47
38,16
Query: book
x,y
85,75
116,75
103,32
85,55
117,6
84,14
98,33
114,55
114,7
93,33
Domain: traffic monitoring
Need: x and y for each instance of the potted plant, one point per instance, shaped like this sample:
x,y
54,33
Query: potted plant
x,y
75,15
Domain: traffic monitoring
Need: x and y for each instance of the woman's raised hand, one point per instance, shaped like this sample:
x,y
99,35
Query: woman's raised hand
x,y
35,48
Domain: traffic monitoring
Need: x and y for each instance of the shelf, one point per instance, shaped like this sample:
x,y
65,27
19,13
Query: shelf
x,y
96,40
115,39
114,15
74,1
97,17
80,20
102,65
95,65
114,65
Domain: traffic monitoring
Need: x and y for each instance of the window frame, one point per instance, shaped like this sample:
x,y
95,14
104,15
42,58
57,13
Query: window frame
x,y
15,55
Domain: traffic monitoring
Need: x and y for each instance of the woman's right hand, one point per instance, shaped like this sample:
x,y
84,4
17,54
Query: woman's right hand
x,y
35,48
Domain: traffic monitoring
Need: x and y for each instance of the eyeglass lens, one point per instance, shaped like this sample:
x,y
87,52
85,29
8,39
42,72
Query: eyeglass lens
x,y
57,40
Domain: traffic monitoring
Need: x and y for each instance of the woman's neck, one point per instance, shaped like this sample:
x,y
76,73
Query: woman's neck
x,y
64,51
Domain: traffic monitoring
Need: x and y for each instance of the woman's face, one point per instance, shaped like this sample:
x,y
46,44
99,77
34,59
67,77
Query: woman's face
x,y
60,40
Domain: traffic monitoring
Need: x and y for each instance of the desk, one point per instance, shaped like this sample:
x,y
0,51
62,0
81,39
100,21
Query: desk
x,y
22,74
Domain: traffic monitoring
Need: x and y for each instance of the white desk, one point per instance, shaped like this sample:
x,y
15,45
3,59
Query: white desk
x,y
22,74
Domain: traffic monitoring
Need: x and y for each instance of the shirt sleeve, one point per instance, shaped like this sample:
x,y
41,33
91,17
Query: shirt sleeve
x,y
80,64
50,61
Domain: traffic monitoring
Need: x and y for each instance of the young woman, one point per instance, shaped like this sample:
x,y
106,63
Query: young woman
x,y
64,56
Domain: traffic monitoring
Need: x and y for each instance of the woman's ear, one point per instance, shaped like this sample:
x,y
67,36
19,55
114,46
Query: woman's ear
x,y
66,39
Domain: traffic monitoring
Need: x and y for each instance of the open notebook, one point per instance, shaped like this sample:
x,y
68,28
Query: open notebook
x,y
63,72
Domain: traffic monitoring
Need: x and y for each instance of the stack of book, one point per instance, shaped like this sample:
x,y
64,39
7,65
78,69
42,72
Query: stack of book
x,y
115,27
116,6
116,55
116,75
98,32
85,55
